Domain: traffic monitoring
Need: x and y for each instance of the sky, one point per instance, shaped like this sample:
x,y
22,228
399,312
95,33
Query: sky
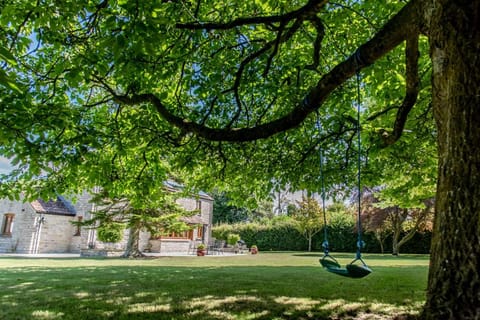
x,y
5,166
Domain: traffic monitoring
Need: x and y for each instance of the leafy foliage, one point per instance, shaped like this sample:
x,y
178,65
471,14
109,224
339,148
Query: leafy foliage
x,y
85,60
225,212
308,218
114,215
110,232
339,215
271,234
123,94
233,238
402,223
281,234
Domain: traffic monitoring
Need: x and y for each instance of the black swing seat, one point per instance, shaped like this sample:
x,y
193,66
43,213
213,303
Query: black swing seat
x,y
358,271
350,271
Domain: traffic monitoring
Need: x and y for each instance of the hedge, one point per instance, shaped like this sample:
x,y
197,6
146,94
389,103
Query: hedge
x,y
282,236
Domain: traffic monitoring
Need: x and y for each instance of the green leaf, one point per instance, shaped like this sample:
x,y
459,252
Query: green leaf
x,y
8,82
7,56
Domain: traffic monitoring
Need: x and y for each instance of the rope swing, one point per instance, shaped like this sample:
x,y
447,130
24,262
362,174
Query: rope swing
x,y
357,268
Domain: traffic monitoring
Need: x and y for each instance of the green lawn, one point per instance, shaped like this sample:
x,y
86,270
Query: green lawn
x,y
264,286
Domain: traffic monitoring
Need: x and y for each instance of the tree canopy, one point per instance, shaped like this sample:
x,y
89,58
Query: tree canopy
x,y
124,94
132,92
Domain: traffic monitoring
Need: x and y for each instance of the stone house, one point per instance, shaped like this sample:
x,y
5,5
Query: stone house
x,y
45,227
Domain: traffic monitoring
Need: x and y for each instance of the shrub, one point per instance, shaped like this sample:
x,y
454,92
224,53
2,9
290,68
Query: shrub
x,y
280,234
110,232
222,231
275,234
233,238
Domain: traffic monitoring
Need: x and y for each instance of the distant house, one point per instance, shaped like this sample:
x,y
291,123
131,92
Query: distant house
x,y
45,227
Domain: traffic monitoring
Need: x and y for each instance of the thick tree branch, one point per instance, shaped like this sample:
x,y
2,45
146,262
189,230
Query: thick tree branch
x,y
397,30
312,7
411,94
336,135
317,44
283,34
281,37
381,113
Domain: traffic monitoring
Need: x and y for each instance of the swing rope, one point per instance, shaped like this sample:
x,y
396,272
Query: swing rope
x,y
322,187
327,261
360,243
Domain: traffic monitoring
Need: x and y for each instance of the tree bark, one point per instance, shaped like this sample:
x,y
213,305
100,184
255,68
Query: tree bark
x,y
405,239
397,229
379,237
131,249
454,284
400,218
395,247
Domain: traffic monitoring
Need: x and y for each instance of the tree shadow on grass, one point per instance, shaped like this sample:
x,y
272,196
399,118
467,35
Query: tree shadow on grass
x,y
195,293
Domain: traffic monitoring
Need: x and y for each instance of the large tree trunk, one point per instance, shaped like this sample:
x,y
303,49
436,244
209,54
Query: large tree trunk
x,y
380,239
454,283
397,222
131,249
395,248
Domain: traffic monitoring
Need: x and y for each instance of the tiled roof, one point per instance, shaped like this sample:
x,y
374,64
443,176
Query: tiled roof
x,y
60,206
193,220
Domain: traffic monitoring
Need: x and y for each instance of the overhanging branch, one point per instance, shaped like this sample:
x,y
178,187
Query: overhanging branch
x,y
312,7
411,92
394,32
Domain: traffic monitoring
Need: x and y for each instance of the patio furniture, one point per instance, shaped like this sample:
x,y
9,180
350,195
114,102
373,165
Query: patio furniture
x,y
216,247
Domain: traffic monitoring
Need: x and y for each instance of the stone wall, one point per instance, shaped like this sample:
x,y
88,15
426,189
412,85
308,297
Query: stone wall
x,y
33,232
21,239
205,204
170,246
56,234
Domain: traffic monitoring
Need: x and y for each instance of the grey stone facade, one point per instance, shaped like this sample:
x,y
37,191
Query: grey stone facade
x,y
40,227
35,231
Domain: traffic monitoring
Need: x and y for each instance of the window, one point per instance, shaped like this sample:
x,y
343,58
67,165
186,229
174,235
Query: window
x,y
176,235
200,232
198,206
7,224
188,234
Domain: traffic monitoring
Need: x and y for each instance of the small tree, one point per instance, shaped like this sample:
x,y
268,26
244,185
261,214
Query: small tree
x,y
339,215
309,218
384,218
374,218
116,214
110,232
410,221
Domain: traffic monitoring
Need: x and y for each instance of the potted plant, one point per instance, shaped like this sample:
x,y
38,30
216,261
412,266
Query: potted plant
x,y
201,250
254,249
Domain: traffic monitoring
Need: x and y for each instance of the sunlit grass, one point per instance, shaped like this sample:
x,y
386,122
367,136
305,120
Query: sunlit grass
x,y
265,286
